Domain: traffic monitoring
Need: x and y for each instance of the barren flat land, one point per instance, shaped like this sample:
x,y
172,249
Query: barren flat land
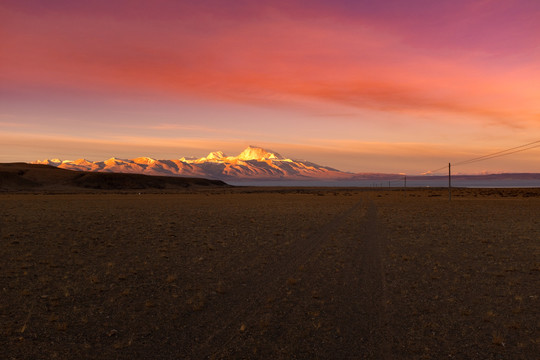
x,y
242,273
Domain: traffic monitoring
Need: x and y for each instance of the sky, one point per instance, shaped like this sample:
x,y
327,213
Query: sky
x,y
363,86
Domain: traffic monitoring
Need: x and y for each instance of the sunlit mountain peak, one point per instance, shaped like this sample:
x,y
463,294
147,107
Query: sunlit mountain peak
x,y
144,160
215,155
82,162
113,161
52,162
257,153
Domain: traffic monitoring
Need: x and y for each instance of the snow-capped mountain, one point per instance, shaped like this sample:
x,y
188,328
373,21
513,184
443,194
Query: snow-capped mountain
x,y
252,163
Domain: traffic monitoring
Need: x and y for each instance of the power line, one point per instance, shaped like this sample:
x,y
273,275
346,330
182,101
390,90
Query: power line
x,y
508,153
500,153
434,171
497,154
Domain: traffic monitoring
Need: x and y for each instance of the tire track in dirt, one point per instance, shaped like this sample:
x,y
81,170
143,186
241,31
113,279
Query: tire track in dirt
x,y
366,279
254,296
353,321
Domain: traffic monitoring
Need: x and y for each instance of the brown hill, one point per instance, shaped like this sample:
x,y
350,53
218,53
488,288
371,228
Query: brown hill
x,y
31,177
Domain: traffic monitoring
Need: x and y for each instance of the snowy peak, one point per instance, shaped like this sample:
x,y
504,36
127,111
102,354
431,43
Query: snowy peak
x,y
51,162
215,155
144,160
83,162
113,161
257,153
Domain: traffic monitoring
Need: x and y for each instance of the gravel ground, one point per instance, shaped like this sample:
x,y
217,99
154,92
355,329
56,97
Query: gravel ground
x,y
271,273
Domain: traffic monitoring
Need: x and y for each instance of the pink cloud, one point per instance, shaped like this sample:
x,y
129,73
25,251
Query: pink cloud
x,y
262,54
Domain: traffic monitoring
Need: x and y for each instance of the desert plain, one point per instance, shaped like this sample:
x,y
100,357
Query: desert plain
x,y
260,273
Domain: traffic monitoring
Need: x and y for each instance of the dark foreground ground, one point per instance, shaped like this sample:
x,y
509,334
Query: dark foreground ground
x,y
283,274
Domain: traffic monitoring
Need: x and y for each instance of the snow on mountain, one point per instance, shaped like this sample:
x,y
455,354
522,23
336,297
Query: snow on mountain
x,y
252,163
82,162
144,160
216,155
51,162
257,153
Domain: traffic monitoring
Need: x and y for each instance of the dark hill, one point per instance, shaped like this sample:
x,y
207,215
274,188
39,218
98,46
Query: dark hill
x,y
31,177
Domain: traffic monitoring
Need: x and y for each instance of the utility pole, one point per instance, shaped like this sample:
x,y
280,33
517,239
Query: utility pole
x,y
404,185
449,182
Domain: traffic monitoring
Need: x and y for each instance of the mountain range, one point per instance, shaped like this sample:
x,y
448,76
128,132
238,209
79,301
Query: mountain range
x,y
254,163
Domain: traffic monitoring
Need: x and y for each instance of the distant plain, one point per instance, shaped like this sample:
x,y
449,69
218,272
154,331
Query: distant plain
x,y
271,273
